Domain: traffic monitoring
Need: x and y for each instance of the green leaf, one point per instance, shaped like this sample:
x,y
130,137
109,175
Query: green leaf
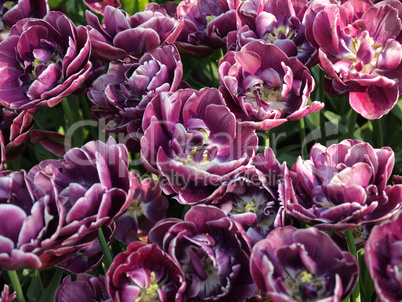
x,y
54,3
365,278
48,295
313,120
35,289
397,110
128,6
133,6
331,116
70,6
142,4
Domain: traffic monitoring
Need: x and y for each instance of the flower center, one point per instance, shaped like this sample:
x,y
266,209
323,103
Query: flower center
x,y
150,293
250,207
282,32
305,286
212,280
267,98
363,53
273,97
357,232
135,208
209,18
9,4
43,57
199,152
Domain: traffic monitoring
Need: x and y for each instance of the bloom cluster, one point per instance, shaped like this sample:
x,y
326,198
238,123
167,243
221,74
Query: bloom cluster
x,y
185,193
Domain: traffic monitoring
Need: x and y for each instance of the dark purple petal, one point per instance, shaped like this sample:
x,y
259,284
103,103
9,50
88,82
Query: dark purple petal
x,y
213,251
264,92
198,142
145,272
85,287
291,263
383,258
50,61
343,186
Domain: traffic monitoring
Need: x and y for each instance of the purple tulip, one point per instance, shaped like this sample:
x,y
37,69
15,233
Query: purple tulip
x,y
264,88
302,265
314,7
91,186
98,6
13,11
85,260
147,208
253,206
213,251
43,61
206,25
144,273
22,222
14,255
113,40
344,186
360,50
89,256
254,197
5,297
275,22
383,255
85,288
15,128
121,95
192,140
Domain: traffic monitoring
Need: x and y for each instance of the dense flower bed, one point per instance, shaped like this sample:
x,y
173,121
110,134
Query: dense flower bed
x,y
201,150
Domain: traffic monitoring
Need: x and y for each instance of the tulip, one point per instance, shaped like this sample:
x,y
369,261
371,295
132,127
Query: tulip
x,y
212,250
85,288
276,23
264,88
144,273
344,186
42,61
192,140
359,48
383,256
302,265
147,208
121,95
113,40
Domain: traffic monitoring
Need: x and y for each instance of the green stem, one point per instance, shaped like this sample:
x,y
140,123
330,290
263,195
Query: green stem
x,y
303,138
15,282
377,133
107,259
355,297
266,141
352,124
